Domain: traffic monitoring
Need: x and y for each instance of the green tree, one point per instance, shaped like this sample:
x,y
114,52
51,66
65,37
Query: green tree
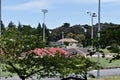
x,y
110,37
80,37
11,25
18,58
39,29
19,26
70,35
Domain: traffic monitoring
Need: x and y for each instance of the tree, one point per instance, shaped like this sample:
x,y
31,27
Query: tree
x,y
11,25
19,26
110,37
66,28
115,48
80,37
19,58
70,35
39,29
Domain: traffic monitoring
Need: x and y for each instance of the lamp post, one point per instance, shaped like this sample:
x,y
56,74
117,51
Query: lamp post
x,y
62,34
44,12
92,16
98,71
62,38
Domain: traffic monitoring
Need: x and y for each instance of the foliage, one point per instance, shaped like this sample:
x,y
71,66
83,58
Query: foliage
x,y
62,66
69,31
79,37
19,57
110,36
11,25
70,35
114,48
16,55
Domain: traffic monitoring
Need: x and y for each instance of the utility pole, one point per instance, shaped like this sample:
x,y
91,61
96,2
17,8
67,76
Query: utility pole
x,y
99,29
62,38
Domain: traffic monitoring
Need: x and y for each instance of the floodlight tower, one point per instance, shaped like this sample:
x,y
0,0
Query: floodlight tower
x,y
92,16
44,12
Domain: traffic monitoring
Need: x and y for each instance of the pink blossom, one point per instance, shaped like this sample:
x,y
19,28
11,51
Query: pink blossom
x,y
49,51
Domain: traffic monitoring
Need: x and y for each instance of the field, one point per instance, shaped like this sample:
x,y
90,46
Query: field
x,y
105,62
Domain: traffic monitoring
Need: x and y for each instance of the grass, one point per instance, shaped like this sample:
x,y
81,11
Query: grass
x,y
106,51
105,62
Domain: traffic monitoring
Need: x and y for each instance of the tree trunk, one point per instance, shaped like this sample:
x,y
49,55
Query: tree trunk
x,y
22,77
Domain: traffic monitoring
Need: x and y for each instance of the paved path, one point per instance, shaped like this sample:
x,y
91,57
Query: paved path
x,y
17,78
105,72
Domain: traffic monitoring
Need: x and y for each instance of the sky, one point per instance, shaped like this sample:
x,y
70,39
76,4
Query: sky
x,y
29,12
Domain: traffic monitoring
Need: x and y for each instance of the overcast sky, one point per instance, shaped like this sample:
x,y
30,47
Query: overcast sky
x,y
59,11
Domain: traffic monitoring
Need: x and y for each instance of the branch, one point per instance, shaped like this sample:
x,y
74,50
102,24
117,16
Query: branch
x,y
34,72
16,70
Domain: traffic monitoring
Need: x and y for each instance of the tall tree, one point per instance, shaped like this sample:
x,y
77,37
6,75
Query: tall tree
x,y
11,25
19,26
39,29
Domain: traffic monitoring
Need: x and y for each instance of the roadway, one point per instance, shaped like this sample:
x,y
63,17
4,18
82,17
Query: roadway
x,y
103,72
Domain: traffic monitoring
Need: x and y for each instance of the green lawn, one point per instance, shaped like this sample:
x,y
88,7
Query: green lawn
x,y
105,51
105,62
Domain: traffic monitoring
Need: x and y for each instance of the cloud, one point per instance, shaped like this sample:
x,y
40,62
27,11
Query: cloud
x,y
40,4
33,4
92,1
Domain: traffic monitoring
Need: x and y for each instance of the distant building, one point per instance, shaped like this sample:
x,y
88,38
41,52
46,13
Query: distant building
x,y
66,43
69,42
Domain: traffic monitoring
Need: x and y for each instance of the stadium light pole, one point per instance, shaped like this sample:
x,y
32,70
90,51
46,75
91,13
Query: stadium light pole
x,y
44,12
99,29
92,15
